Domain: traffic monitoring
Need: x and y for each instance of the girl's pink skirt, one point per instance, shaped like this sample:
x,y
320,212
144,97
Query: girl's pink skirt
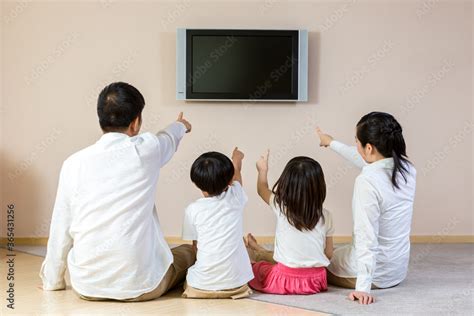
x,y
280,279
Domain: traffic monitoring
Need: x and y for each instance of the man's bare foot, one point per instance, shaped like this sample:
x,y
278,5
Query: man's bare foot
x,y
252,243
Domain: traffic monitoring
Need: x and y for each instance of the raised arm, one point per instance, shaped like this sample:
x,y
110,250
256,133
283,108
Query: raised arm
x,y
237,157
262,178
169,138
59,242
348,152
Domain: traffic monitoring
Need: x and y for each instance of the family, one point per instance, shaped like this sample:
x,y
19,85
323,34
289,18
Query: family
x,y
106,231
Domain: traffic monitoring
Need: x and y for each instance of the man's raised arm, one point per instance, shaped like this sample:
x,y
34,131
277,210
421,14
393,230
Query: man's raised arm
x,y
169,138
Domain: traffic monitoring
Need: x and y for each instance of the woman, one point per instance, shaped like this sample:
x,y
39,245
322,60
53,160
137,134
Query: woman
x,y
382,208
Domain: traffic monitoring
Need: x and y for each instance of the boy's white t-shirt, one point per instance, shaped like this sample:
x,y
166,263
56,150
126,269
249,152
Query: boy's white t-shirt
x,y
298,249
216,223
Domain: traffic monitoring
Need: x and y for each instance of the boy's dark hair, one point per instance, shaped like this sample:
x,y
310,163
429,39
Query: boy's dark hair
x,y
300,192
212,172
383,131
118,105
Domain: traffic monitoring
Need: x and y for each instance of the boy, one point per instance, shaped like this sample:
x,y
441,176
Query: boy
x,y
214,223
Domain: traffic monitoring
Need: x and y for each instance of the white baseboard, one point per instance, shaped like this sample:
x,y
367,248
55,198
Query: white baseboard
x,y
416,239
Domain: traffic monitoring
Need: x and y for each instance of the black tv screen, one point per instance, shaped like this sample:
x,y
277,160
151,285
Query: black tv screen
x,y
242,64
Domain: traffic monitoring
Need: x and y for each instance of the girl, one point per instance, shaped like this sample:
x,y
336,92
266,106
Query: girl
x,y
382,208
303,242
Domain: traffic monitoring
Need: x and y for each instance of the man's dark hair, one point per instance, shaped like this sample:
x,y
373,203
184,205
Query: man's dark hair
x,y
212,172
118,105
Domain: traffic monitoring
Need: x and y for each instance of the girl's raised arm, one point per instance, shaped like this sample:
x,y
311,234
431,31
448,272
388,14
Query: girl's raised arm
x,y
262,179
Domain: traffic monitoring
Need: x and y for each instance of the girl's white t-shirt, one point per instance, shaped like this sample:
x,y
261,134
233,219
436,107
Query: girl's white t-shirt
x,y
300,249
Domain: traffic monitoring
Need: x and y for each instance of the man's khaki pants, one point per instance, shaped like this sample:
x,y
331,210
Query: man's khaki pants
x,y
184,257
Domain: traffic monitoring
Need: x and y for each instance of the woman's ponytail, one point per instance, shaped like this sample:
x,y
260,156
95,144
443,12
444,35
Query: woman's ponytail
x,y
399,158
382,131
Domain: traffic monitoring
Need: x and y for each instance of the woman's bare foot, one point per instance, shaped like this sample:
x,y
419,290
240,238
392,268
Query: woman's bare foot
x,y
252,243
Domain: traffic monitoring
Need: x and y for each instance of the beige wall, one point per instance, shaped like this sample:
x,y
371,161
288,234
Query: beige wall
x,y
410,58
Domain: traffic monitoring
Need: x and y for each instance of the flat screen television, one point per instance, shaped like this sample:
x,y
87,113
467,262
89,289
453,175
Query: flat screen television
x,y
242,65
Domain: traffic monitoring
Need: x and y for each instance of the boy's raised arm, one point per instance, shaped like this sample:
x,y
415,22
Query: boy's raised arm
x,y
237,157
262,179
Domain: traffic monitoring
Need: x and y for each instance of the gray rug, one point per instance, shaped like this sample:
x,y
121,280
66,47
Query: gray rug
x,y
440,282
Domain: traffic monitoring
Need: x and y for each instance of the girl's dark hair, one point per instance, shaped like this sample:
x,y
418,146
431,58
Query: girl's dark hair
x,y
382,131
212,172
300,192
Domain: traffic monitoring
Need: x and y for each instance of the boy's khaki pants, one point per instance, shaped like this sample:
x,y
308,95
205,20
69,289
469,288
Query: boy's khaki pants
x,y
184,257
239,292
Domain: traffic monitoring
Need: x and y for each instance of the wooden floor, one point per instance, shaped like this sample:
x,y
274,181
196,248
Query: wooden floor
x,y
31,300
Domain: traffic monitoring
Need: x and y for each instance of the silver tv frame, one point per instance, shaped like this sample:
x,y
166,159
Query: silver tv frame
x,y
302,70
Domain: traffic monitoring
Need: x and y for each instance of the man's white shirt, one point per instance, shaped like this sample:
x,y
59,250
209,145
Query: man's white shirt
x,y
104,223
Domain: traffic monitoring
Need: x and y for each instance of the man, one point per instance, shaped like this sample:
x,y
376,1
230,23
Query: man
x,y
104,222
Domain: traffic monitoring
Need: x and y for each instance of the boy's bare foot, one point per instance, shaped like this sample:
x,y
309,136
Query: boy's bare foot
x,y
252,243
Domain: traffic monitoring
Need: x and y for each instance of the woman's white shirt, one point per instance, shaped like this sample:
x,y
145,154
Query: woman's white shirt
x,y
380,250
